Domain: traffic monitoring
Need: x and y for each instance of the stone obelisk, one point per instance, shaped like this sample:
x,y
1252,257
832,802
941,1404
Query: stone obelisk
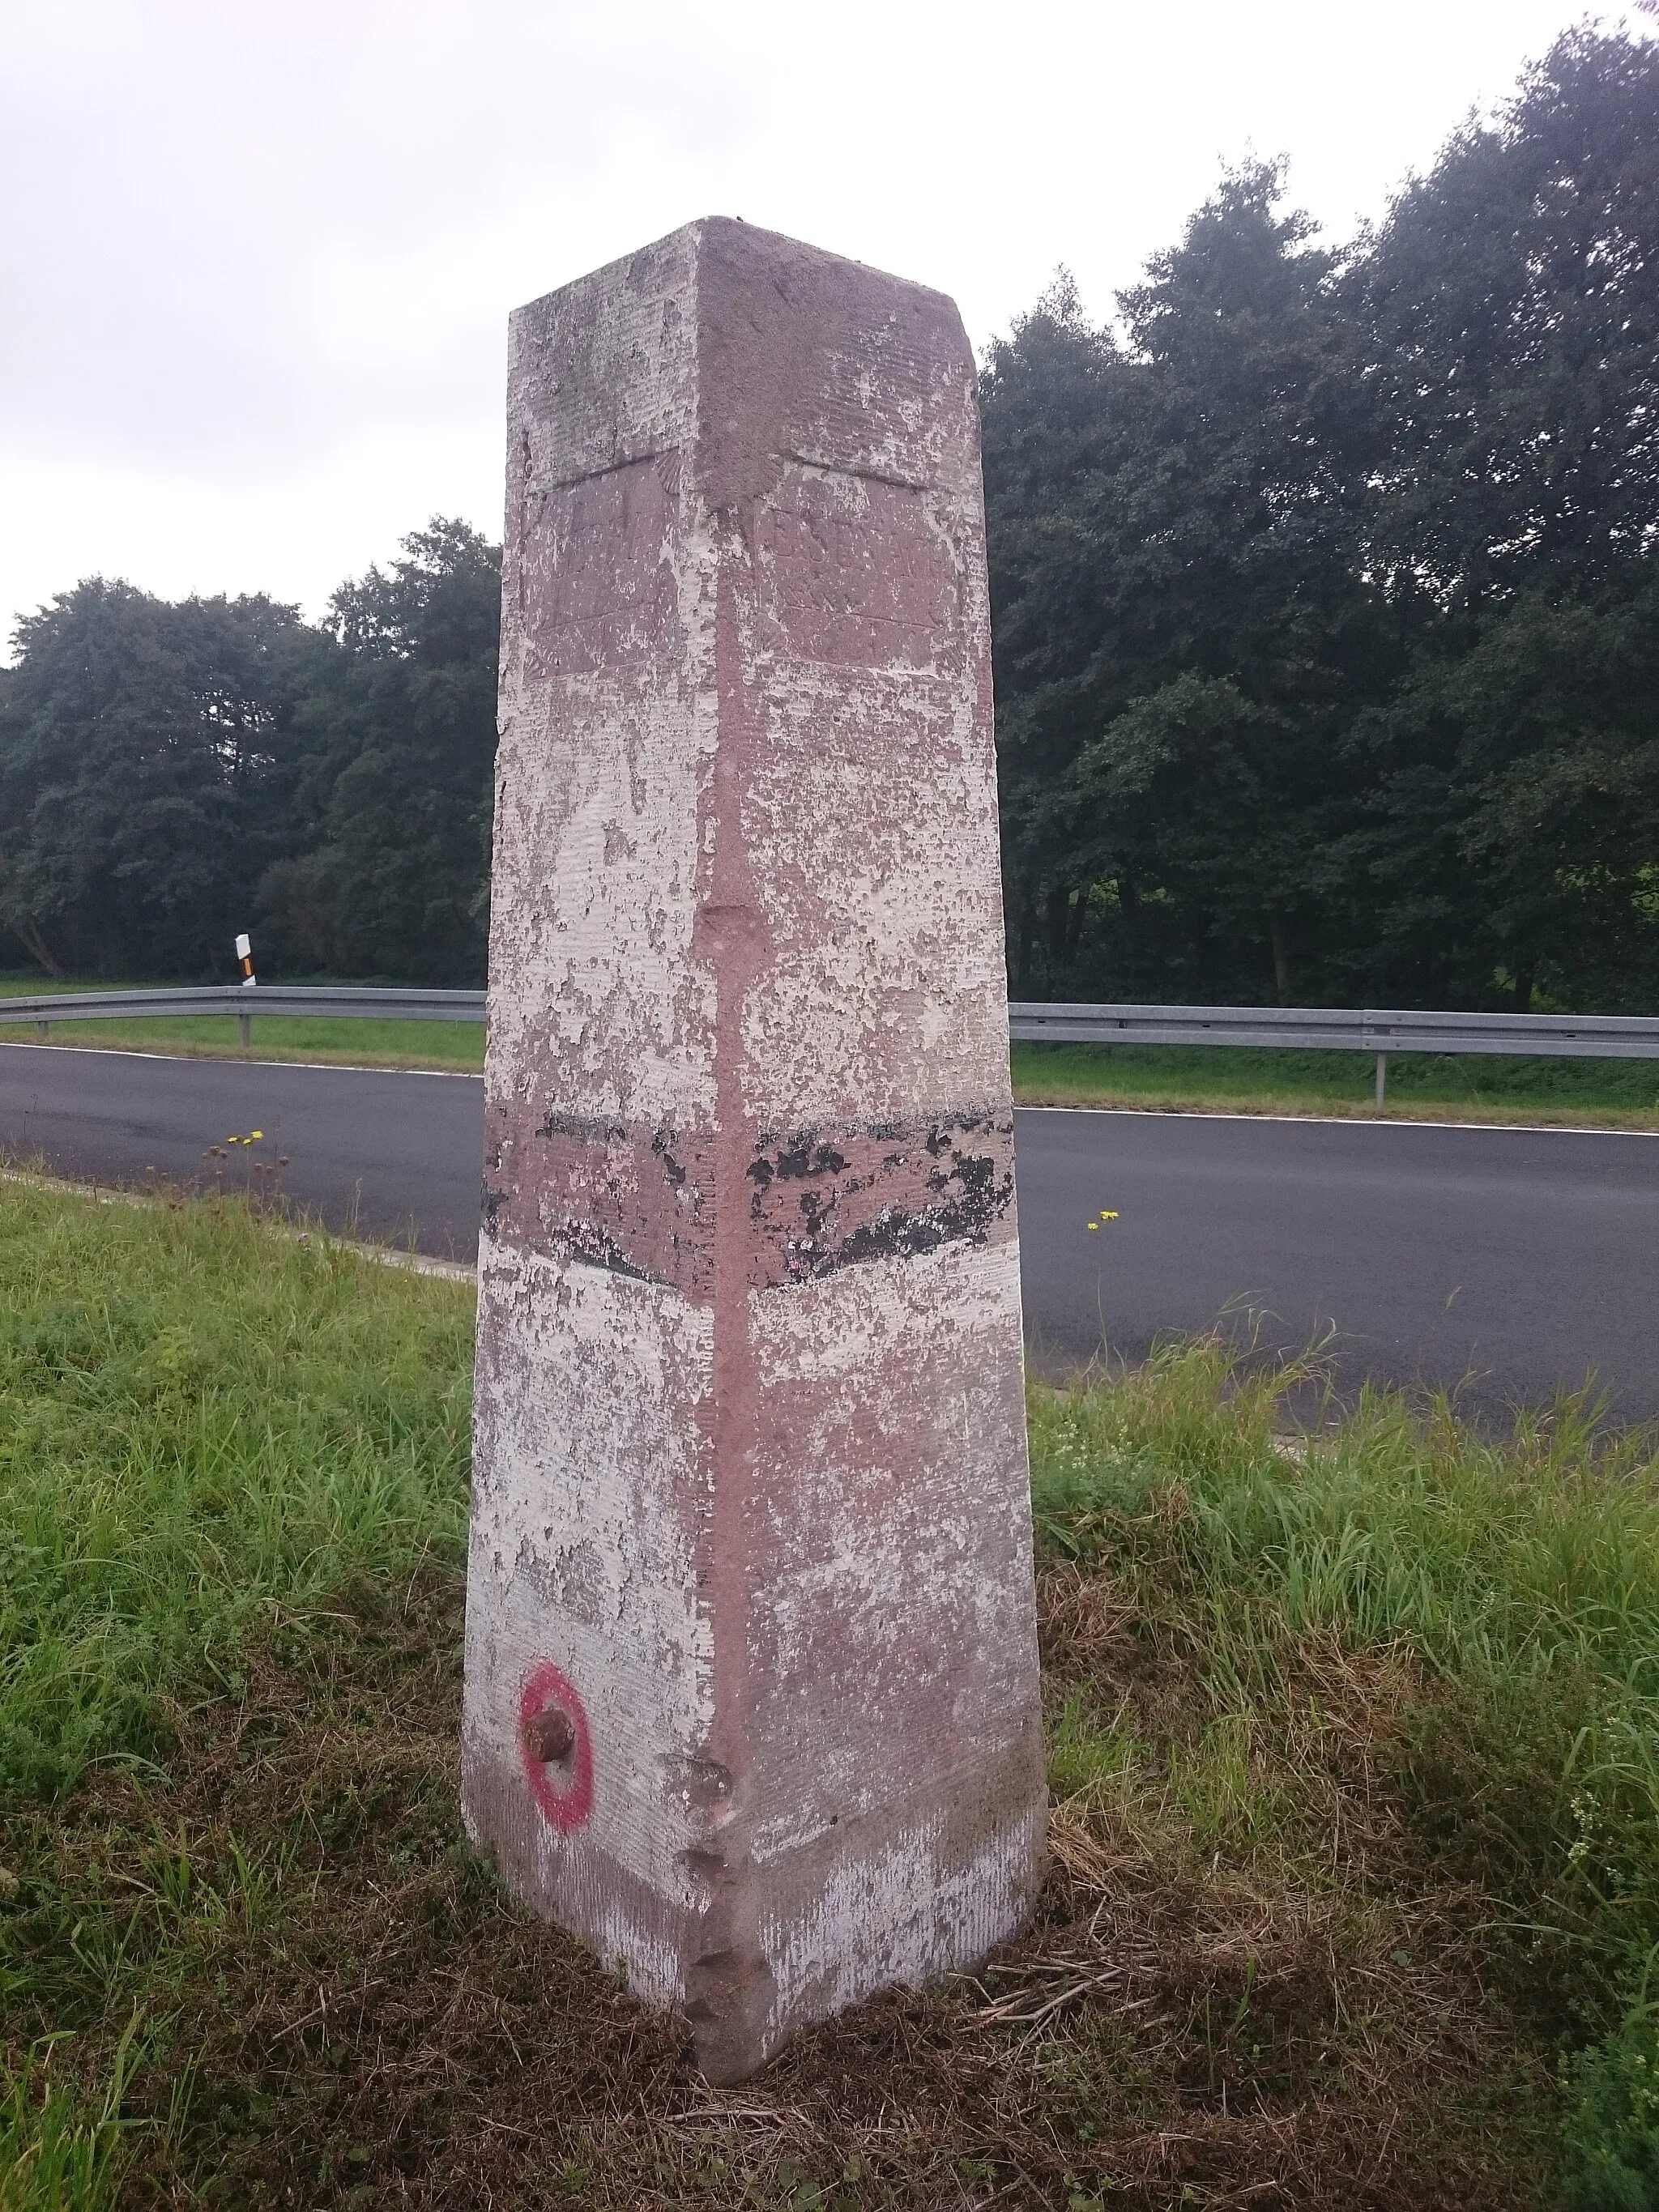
x,y
751,1680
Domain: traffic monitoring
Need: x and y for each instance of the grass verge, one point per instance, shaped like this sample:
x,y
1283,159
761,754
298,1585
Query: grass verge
x,y
456,1049
1611,1094
1353,1753
448,1048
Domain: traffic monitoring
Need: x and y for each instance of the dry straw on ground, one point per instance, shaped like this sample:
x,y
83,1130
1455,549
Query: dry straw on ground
x,y
354,2017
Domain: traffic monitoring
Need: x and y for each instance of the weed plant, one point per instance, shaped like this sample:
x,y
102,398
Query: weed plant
x,y
1354,1887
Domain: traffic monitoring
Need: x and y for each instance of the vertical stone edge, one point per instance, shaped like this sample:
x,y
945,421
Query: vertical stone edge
x,y
593,1414
871,1856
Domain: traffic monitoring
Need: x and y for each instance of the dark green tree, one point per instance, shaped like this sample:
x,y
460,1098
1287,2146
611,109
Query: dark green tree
x,y
1512,831
1511,306
1512,303
388,866
146,756
1181,630
1323,586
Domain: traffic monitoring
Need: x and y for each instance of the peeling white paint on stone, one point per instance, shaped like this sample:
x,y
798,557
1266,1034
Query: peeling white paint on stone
x,y
608,721
586,1505
900,1913
834,1329
602,813
750,1470
892,1479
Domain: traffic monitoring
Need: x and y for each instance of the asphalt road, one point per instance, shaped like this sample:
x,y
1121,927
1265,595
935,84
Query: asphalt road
x,y
386,1155
1507,1262
1504,1263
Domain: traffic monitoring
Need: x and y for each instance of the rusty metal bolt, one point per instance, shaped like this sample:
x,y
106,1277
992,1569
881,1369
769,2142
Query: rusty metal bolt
x,y
550,1735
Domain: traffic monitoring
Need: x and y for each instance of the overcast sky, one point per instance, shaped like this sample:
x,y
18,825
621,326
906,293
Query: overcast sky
x,y
256,263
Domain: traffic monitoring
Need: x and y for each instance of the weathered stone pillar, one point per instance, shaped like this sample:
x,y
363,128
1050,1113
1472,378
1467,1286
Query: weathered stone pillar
x,y
751,1687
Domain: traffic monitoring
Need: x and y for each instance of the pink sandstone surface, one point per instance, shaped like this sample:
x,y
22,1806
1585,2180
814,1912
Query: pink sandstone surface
x,y
751,1687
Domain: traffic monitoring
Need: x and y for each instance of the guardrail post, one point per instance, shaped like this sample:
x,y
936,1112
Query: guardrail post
x,y
245,1025
751,1685
1382,1076
43,1031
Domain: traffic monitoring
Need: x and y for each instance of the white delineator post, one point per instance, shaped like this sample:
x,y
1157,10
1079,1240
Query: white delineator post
x,y
751,1677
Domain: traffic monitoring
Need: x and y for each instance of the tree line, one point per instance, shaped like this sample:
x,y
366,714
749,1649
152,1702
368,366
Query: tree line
x,y
171,773
1326,621
1324,591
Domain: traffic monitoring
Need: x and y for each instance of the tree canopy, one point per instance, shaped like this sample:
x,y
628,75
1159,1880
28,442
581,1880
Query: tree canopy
x,y
146,758
172,774
1323,588
1326,623
389,872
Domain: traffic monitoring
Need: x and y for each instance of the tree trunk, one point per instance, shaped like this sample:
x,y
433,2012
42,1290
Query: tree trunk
x,y
1075,919
35,945
1027,939
1281,965
1523,990
1059,903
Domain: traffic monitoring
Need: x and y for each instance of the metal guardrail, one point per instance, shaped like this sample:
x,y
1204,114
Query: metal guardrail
x,y
1318,1029
1302,1029
358,1002
1365,1028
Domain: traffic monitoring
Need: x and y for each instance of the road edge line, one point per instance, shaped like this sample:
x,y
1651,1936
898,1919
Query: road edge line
x,y
1343,1121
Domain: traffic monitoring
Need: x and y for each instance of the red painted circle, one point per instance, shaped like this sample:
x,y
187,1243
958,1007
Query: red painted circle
x,y
567,1800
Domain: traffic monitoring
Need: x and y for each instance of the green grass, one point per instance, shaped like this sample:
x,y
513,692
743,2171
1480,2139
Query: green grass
x,y
203,1428
1354,1748
1421,1086
1521,1575
448,1046
1504,1596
